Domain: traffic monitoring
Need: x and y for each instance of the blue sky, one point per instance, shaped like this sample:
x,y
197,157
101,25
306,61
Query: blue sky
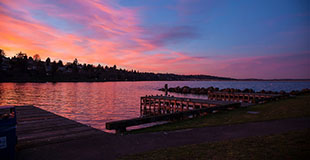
x,y
232,38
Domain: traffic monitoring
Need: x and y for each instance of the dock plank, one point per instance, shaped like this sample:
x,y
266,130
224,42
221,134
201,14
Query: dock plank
x,y
35,118
22,123
43,128
36,126
56,132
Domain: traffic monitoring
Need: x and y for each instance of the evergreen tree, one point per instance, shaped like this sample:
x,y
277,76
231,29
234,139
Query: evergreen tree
x,y
37,57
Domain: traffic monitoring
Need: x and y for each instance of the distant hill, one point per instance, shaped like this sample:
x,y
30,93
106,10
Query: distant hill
x,y
22,68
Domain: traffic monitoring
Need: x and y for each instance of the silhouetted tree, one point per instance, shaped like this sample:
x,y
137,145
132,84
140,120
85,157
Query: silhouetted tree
x,y
2,54
48,61
21,55
19,68
84,66
60,63
75,62
54,67
37,57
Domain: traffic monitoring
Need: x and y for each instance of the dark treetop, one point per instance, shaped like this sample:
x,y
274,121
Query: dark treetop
x,y
22,68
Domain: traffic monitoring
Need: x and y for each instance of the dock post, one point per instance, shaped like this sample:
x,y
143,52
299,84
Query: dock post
x,y
187,105
248,98
154,105
159,106
181,105
253,100
141,106
169,108
149,105
144,103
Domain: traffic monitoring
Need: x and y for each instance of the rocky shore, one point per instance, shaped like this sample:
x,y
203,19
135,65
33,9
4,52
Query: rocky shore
x,y
205,91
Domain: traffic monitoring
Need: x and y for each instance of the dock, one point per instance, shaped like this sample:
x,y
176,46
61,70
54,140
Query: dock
x,y
36,126
166,108
157,105
120,126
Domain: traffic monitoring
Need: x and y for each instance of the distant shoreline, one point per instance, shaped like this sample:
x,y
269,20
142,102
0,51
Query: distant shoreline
x,y
273,80
238,80
23,69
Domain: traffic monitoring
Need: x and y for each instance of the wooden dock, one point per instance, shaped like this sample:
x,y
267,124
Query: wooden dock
x,y
242,97
36,126
157,105
120,126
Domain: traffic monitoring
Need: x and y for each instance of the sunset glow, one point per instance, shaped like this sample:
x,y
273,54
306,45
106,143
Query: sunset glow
x,y
239,39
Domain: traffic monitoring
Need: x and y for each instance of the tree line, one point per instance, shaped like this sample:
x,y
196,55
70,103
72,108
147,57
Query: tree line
x,y
24,68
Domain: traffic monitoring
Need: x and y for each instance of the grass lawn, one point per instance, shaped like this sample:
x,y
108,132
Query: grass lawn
x,y
287,108
291,145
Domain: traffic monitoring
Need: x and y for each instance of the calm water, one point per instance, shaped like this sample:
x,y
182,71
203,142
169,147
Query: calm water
x,y
96,103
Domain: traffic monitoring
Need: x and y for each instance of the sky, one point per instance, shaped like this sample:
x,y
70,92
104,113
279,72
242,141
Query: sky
x,y
267,39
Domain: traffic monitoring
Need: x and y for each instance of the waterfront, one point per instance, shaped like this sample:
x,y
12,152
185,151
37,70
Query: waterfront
x,y
96,103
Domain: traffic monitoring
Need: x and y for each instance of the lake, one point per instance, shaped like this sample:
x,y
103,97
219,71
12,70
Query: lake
x,y
99,102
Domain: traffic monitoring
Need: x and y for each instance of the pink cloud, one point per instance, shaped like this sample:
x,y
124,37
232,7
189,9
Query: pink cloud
x,y
106,33
283,65
116,36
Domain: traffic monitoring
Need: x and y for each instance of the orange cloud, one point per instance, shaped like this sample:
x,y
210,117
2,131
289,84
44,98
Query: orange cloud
x,y
106,33
112,36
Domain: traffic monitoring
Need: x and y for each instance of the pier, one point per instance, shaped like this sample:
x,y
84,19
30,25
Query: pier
x,y
157,105
45,135
120,126
166,108
36,126
242,97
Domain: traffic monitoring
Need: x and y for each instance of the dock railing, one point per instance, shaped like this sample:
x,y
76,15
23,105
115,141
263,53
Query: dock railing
x,y
120,126
157,105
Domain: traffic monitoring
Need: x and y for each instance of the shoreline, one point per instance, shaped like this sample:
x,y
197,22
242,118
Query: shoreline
x,y
240,80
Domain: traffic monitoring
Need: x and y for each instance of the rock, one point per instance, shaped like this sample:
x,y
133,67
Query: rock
x,y
186,90
246,90
269,92
171,90
203,91
195,90
282,92
210,89
178,89
305,91
293,92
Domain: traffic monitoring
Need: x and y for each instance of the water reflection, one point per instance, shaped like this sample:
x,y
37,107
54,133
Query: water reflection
x,y
96,103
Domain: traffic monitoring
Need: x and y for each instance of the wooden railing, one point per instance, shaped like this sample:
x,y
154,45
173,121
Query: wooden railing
x,y
157,105
120,126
